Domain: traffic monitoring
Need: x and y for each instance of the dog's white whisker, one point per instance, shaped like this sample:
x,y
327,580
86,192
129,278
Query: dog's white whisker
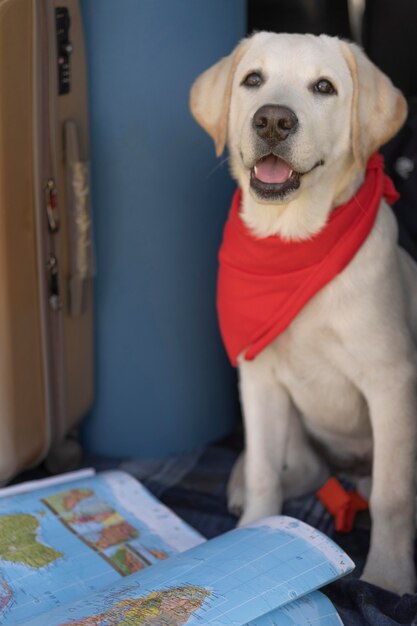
x,y
217,166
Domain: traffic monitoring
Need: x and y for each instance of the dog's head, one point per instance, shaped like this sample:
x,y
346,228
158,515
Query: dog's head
x,y
290,107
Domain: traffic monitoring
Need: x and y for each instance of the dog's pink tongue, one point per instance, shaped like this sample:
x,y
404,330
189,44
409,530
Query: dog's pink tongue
x,y
272,170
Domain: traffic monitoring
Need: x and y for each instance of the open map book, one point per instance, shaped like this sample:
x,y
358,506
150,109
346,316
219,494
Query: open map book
x,y
77,550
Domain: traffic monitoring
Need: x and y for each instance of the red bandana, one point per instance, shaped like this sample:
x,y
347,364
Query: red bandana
x,y
264,283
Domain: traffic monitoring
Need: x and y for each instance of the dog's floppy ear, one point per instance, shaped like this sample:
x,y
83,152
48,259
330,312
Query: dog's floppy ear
x,y
378,108
210,96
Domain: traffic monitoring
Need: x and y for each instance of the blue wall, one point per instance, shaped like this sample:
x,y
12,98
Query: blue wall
x,y
160,200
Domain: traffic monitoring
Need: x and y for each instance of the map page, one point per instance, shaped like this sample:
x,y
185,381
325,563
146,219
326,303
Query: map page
x,y
232,579
63,542
313,609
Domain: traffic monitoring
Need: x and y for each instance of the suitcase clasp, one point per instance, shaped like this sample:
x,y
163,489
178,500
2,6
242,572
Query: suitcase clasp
x,y
52,206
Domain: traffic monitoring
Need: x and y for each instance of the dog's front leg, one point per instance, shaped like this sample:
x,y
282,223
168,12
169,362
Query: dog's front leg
x,y
266,410
392,405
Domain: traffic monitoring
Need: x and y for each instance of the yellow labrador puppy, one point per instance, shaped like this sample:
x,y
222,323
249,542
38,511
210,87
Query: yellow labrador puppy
x,y
301,116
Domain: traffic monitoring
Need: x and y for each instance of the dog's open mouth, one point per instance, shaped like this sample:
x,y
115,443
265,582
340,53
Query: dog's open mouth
x,y
272,177
272,170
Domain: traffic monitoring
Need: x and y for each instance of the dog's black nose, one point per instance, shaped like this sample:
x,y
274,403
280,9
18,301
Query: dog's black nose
x,y
273,122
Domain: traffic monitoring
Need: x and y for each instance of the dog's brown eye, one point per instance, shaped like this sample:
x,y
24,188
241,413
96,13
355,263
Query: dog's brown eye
x,y
324,86
253,80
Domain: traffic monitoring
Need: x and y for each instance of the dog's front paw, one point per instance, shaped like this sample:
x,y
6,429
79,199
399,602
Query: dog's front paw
x,y
256,511
248,518
396,575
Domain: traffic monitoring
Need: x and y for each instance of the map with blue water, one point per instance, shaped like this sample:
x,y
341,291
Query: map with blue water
x,y
78,554
238,578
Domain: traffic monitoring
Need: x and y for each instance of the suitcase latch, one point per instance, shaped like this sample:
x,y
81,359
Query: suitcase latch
x,y
54,297
52,206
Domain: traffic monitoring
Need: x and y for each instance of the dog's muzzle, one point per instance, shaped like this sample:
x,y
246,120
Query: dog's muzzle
x,y
272,177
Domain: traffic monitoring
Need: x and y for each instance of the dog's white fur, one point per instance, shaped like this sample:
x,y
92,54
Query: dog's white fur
x,y
343,375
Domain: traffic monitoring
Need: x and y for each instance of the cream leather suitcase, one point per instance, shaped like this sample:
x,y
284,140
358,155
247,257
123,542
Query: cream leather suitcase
x,y
46,347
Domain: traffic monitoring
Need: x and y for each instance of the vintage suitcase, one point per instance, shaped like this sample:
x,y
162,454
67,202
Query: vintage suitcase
x,y
46,346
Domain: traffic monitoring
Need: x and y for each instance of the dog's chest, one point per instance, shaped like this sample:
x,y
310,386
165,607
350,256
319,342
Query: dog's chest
x,y
307,361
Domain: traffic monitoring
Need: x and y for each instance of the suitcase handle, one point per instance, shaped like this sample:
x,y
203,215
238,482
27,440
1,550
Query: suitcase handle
x,y
81,262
